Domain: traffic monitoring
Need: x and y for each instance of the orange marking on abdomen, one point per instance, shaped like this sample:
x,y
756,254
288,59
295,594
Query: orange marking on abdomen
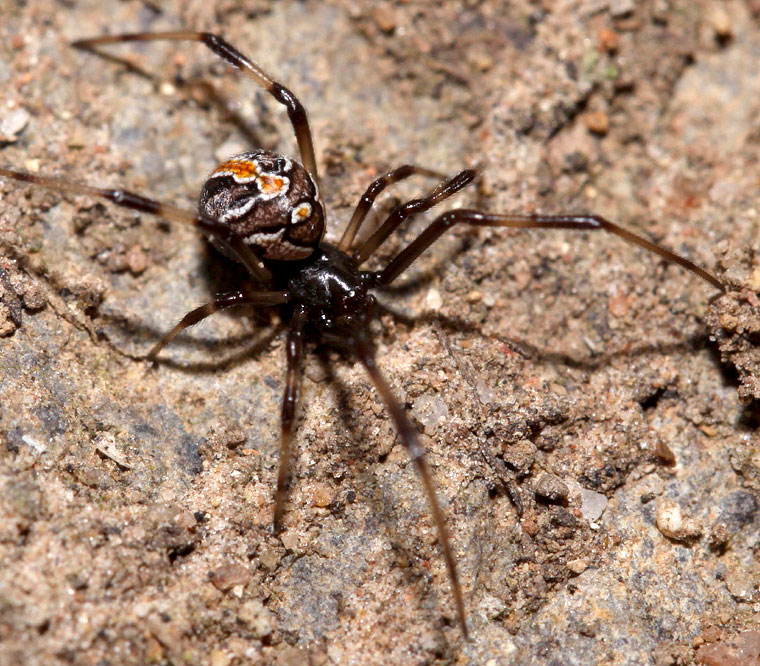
x,y
238,169
271,185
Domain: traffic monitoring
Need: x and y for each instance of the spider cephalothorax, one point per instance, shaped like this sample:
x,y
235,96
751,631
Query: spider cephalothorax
x,y
265,211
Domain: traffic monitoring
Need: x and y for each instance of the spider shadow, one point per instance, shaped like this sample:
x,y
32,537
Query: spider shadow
x,y
523,347
214,97
218,272
255,342
209,94
526,349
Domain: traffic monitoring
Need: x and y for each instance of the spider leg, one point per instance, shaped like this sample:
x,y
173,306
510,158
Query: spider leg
x,y
223,301
408,435
294,353
442,192
133,201
368,198
445,221
225,50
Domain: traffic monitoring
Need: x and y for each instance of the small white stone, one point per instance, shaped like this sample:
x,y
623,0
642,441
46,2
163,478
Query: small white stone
x,y
13,122
142,608
619,8
592,505
491,607
167,89
430,410
673,524
486,394
433,300
669,519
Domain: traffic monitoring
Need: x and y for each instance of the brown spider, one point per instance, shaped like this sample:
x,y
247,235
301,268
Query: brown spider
x,y
264,210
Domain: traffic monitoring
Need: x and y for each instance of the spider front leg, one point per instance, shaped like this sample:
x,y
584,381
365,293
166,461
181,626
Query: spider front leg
x,y
225,50
442,192
127,199
368,198
119,197
221,302
445,221
294,354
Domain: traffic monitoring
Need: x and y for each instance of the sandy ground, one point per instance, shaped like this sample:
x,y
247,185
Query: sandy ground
x,y
616,393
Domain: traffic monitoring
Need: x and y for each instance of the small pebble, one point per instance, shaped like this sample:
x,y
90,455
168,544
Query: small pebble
x,y
665,453
137,260
520,455
12,123
608,40
486,394
741,585
289,540
321,495
93,477
621,8
530,527
673,524
729,322
256,617
153,651
593,505
229,575
384,18
167,89
269,558
491,607
618,304
7,325
597,122
719,537
220,658
551,488
433,300
480,60
577,567
430,411
742,649
754,279
721,22
142,608
34,297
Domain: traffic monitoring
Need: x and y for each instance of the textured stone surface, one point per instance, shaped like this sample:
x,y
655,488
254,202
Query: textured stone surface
x,y
128,493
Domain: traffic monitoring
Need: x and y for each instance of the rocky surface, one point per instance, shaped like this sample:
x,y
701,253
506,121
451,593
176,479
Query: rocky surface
x,y
613,395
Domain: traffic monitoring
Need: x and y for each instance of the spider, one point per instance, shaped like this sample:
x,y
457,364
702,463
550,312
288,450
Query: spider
x,y
264,210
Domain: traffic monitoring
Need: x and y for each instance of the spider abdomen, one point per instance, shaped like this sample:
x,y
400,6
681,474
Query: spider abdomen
x,y
268,200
